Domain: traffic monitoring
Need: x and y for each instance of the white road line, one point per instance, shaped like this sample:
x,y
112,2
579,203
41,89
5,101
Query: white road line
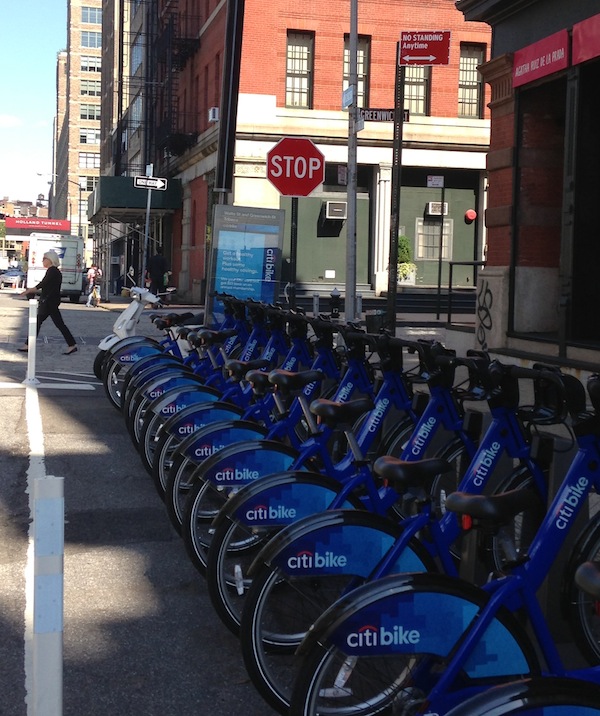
x,y
44,580
62,386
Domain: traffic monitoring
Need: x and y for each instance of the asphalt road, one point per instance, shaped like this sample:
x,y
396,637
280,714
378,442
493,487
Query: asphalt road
x,y
140,636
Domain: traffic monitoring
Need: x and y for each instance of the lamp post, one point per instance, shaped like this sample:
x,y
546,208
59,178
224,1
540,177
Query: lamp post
x,y
79,189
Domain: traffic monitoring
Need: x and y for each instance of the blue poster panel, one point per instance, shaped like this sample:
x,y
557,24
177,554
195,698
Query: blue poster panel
x,y
245,255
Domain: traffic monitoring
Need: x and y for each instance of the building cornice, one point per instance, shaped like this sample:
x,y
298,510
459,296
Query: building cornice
x,y
491,11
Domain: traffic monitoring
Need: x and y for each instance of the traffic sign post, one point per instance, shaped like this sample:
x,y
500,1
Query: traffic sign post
x,y
149,183
420,48
296,168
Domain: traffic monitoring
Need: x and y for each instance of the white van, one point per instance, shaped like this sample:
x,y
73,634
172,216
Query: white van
x,y
70,253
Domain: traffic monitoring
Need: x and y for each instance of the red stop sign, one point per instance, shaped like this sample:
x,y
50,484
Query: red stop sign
x,y
295,166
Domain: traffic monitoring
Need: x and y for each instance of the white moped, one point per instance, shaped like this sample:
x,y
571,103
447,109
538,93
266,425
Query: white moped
x,y
125,327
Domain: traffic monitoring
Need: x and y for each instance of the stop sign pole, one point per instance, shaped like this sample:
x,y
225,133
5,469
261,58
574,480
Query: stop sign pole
x,y
296,168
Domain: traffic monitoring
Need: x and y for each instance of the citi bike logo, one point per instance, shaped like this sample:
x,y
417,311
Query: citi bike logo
x,y
420,440
129,358
249,350
188,429
156,393
172,409
207,450
316,560
291,364
269,354
263,513
378,414
344,393
369,637
485,463
236,475
575,494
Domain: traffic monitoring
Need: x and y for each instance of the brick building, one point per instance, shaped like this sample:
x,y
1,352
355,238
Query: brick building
x,y
77,127
539,287
293,66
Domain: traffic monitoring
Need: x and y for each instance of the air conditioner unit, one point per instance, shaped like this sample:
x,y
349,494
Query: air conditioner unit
x,y
213,114
434,208
336,209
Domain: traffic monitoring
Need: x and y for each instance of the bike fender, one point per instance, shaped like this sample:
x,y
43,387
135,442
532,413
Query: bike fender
x,y
175,379
178,398
113,341
423,613
246,461
256,492
189,420
133,353
214,437
349,542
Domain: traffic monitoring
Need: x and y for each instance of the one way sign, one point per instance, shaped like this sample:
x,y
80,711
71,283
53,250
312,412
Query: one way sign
x,y
150,183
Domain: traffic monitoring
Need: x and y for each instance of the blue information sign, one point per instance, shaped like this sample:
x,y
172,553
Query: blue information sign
x,y
245,254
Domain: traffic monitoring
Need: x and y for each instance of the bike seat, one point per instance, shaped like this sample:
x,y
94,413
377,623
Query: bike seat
x,y
333,413
287,380
404,475
259,380
496,509
237,369
209,337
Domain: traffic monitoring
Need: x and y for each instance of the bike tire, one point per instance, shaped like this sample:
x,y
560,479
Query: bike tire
x,y
177,429
206,499
280,608
524,525
235,545
115,369
533,697
583,610
362,678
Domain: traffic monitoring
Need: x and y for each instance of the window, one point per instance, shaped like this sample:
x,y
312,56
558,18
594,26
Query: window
x,y
89,111
88,183
428,239
363,55
137,54
136,112
470,84
91,15
416,89
299,70
90,63
89,136
91,88
89,160
91,39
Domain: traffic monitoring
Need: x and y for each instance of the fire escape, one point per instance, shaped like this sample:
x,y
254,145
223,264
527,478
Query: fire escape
x,y
175,131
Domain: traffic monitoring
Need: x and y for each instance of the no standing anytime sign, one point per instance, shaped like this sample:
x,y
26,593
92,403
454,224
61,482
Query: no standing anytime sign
x,y
425,47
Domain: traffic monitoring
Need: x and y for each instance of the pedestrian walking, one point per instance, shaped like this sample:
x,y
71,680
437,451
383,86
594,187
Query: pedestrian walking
x,y
94,277
156,269
49,301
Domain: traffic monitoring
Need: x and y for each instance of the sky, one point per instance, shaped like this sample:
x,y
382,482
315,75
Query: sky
x,y
33,33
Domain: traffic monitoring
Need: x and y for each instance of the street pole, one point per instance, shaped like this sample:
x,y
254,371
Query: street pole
x,y
149,171
396,192
350,299
80,234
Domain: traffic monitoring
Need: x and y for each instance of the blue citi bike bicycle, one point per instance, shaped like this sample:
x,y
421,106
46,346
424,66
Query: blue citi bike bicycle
x,y
418,643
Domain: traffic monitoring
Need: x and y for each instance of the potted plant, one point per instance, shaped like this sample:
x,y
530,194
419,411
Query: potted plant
x,y
407,270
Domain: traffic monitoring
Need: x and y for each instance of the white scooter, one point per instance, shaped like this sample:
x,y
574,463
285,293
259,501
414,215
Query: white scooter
x,y
125,327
